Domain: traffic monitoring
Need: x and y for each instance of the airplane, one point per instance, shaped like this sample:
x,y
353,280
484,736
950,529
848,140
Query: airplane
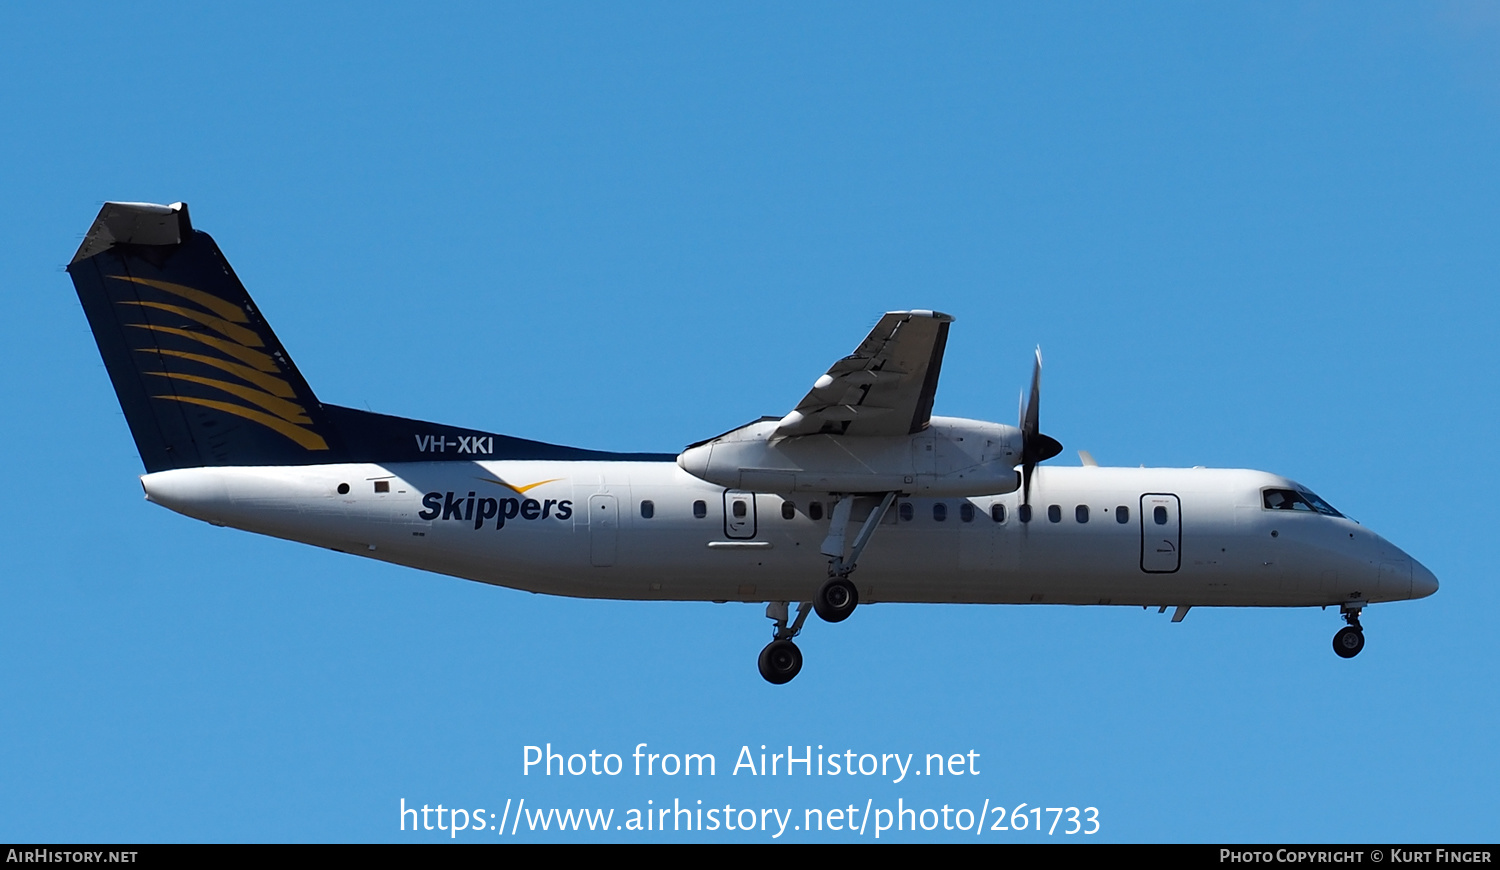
x,y
859,474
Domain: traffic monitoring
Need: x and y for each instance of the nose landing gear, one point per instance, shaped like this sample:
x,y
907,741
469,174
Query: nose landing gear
x,y
1351,638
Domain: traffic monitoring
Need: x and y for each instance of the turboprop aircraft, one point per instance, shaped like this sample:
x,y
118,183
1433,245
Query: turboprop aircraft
x,y
859,474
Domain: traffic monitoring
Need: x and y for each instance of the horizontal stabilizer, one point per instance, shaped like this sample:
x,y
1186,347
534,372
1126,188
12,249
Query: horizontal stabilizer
x,y
135,223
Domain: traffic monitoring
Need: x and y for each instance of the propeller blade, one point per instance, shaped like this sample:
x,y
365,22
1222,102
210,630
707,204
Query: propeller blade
x,y
1035,447
1029,424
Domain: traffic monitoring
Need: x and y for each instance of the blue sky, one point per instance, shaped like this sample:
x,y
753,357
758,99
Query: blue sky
x,y
1245,235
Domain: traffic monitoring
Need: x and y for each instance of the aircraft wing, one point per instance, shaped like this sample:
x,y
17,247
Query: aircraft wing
x,y
885,387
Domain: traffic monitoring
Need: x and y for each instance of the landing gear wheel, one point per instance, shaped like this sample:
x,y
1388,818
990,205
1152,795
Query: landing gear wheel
x,y
1348,642
836,600
780,661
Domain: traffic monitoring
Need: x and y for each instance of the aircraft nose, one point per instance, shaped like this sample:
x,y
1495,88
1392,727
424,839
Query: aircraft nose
x,y
1423,582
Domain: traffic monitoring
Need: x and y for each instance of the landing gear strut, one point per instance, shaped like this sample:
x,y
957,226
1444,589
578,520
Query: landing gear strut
x,y
839,596
1351,638
780,661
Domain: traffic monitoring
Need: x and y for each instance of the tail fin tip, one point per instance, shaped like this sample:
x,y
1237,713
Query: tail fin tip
x,y
135,223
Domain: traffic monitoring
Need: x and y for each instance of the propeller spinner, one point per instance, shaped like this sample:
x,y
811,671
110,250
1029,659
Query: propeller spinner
x,y
1035,447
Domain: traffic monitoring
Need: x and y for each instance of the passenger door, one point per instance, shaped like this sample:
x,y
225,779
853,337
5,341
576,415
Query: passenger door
x,y
739,514
1161,533
604,529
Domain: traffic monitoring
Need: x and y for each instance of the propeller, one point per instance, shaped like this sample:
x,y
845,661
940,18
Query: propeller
x,y
1035,447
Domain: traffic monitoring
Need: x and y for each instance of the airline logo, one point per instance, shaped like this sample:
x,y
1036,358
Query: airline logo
x,y
480,510
257,389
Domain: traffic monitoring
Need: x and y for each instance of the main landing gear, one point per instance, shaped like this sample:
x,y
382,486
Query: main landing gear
x,y
1351,638
835,600
781,660
838,597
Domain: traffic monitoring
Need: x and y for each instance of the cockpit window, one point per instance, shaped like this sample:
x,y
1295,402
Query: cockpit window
x,y
1297,500
1318,504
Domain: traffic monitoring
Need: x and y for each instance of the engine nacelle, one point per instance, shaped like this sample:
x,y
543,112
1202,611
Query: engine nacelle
x,y
950,458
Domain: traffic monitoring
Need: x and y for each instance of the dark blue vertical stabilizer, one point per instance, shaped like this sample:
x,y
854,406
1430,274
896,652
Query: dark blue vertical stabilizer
x,y
202,378
200,375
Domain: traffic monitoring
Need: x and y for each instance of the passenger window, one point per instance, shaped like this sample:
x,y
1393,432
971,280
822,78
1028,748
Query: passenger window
x,y
788,510
700,509
997,513
906,512
1159,514
1122,515
1054,513
648,509
1024,513
966,512
1081,513
815,510
739,509
939,511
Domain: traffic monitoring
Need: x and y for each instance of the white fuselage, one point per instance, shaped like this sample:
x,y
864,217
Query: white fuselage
x,y
1185,537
